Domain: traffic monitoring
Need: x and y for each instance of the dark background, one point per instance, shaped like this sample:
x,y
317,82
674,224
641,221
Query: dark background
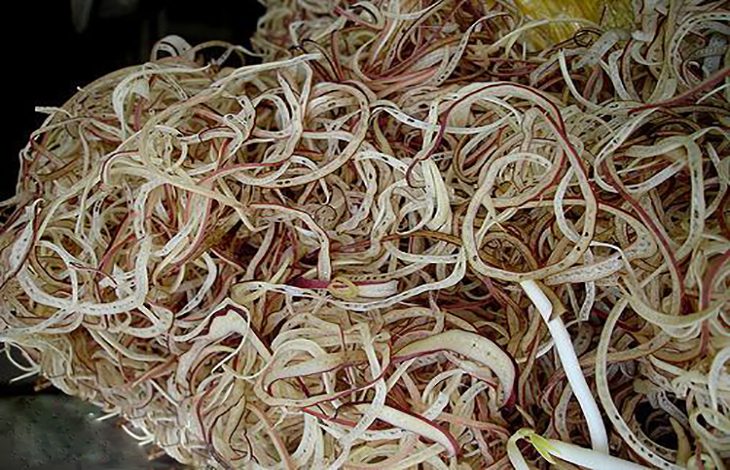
x,y
45,58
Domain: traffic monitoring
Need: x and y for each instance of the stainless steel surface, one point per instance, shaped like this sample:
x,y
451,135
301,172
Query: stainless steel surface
x,y
54,431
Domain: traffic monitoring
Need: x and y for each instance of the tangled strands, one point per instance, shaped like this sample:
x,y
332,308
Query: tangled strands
x,y
411,240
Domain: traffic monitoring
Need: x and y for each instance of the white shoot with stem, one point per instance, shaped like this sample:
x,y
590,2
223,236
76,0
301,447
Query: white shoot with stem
x,y
571,366
549,448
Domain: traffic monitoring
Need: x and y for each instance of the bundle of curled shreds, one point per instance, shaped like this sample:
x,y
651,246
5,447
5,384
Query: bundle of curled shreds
x,y
416,234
